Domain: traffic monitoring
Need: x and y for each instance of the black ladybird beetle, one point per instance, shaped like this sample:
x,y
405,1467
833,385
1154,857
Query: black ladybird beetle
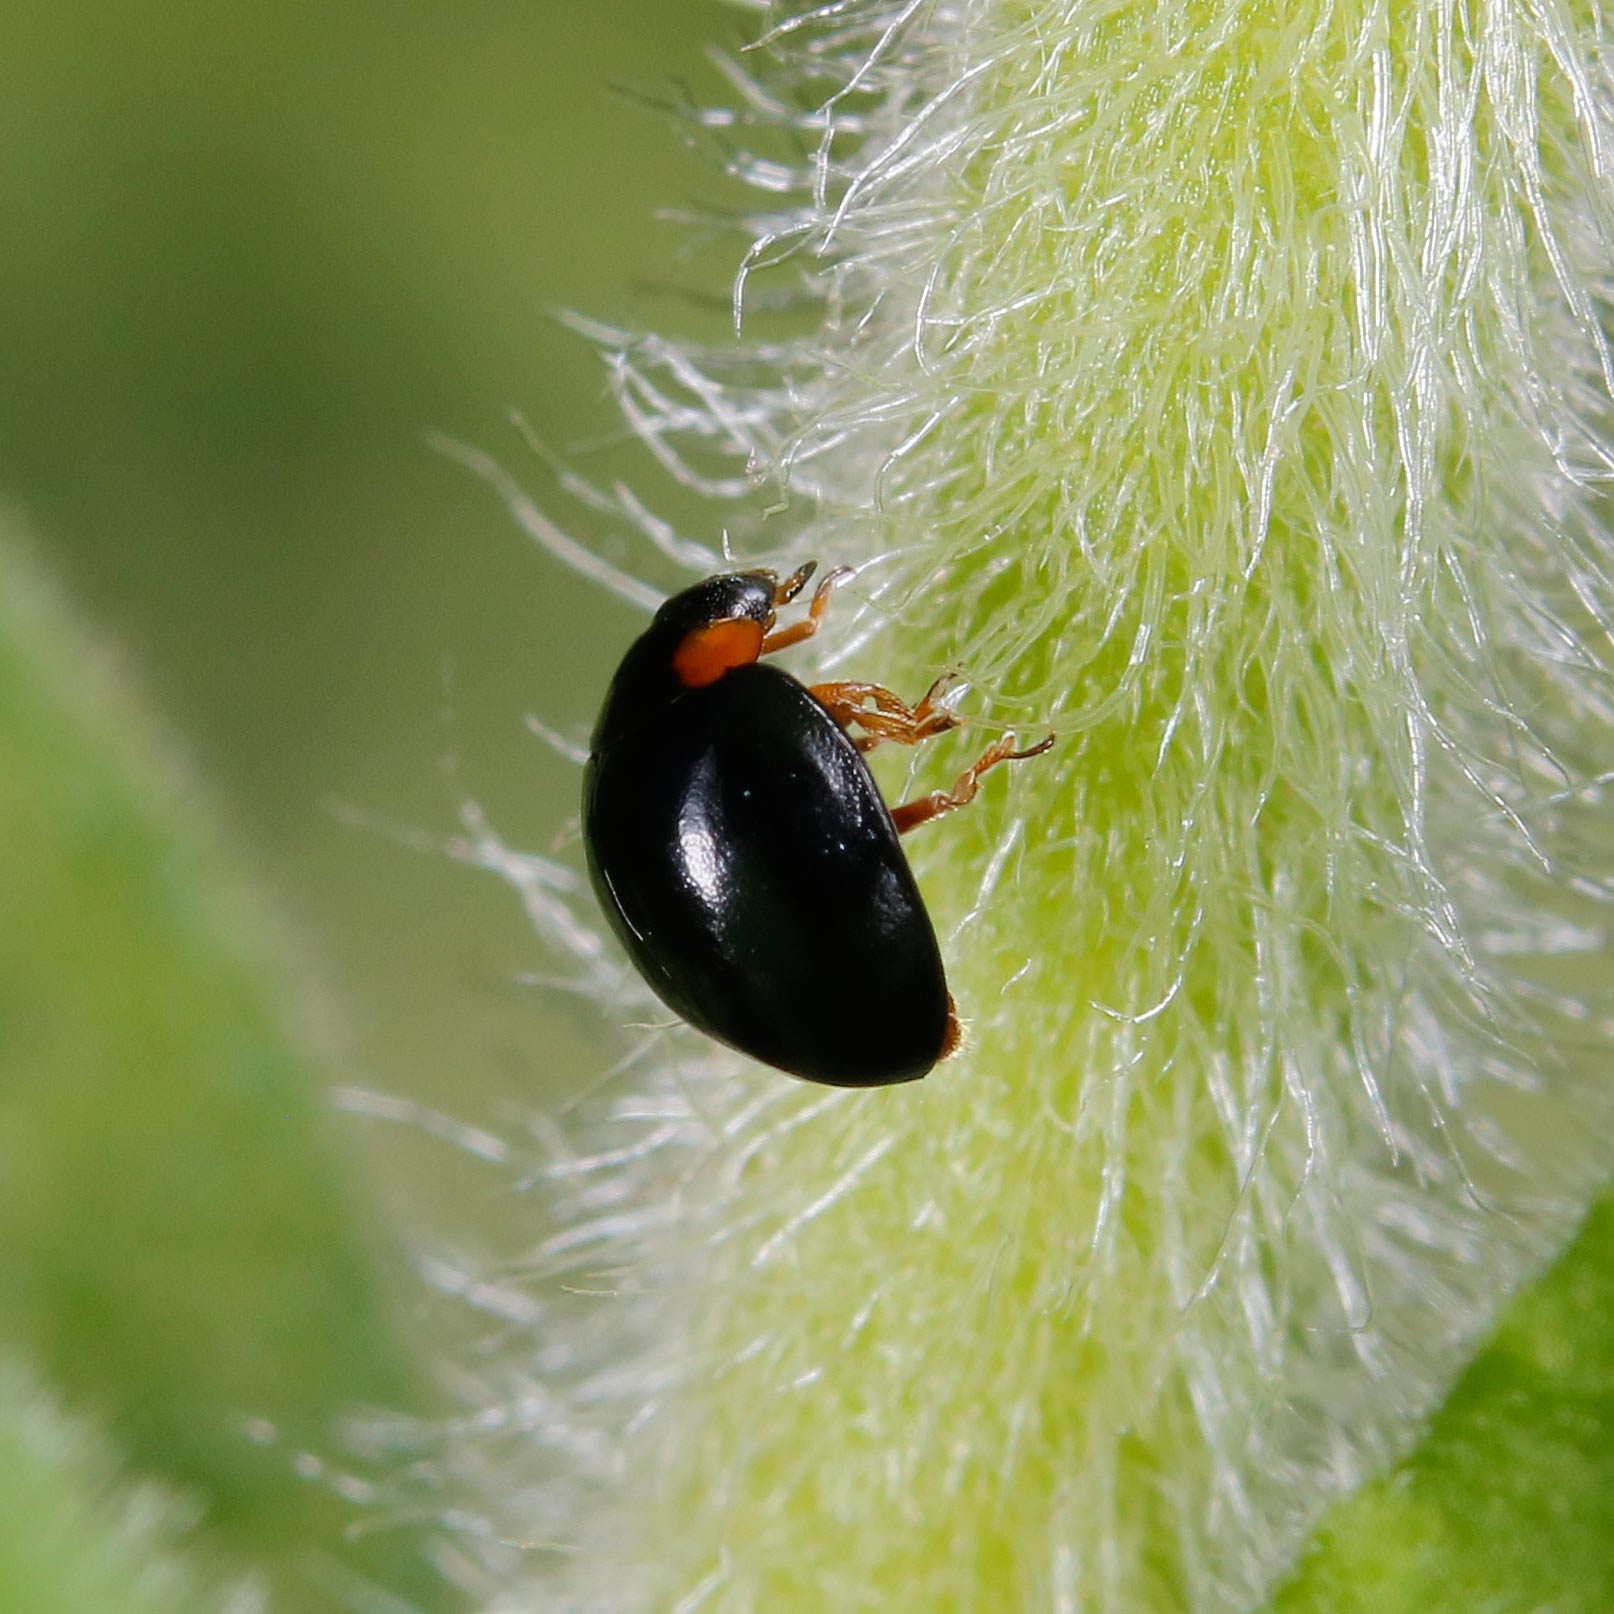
x,y
743,853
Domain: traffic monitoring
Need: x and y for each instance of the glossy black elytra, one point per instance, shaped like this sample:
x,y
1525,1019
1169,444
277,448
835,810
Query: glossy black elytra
x,y
743,853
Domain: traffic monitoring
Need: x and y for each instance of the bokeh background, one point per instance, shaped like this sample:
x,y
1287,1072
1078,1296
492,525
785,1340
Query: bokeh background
x,y
250,256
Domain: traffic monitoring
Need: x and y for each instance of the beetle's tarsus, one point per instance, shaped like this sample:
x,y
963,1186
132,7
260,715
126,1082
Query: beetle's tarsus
x,y
911,814
794,584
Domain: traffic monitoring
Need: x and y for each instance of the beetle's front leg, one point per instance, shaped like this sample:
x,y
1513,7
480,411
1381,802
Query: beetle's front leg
x,y
783,638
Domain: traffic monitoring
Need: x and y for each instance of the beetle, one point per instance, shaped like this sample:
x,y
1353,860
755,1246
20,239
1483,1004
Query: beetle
x,y
744,855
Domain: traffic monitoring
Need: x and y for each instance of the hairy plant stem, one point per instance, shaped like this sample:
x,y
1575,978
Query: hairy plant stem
x,y
1224,385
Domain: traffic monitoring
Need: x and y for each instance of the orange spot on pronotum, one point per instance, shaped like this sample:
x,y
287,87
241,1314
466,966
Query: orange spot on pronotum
x,y
702,657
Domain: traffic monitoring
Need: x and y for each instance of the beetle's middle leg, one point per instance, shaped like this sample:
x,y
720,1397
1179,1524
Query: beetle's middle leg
x,y
883,715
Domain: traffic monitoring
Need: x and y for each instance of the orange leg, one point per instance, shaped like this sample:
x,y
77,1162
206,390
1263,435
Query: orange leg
x,y
783,638
786,591
911,814
890,718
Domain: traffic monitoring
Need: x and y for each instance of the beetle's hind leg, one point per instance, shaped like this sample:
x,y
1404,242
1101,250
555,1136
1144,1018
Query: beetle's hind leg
x,y
911,814
883,715
783,638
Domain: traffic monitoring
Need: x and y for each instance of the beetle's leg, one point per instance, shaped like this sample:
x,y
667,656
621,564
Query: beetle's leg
x,y
911,814
786,591
891,718
782,638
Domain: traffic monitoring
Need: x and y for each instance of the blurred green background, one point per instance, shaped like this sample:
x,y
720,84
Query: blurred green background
x,y
249,256
252,253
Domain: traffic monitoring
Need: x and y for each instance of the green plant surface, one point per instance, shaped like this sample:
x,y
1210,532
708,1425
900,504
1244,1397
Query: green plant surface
x,y
183,1257
1507,1505
1224,388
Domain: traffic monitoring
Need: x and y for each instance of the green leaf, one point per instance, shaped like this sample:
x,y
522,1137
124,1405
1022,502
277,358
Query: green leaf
x,y
75,1541
1508,1504
182,1251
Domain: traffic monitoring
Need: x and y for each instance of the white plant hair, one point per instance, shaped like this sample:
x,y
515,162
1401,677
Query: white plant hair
x,y
1226,385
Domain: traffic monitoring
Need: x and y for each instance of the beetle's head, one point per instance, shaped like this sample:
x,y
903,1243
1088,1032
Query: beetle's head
x,y
720,623
697,636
